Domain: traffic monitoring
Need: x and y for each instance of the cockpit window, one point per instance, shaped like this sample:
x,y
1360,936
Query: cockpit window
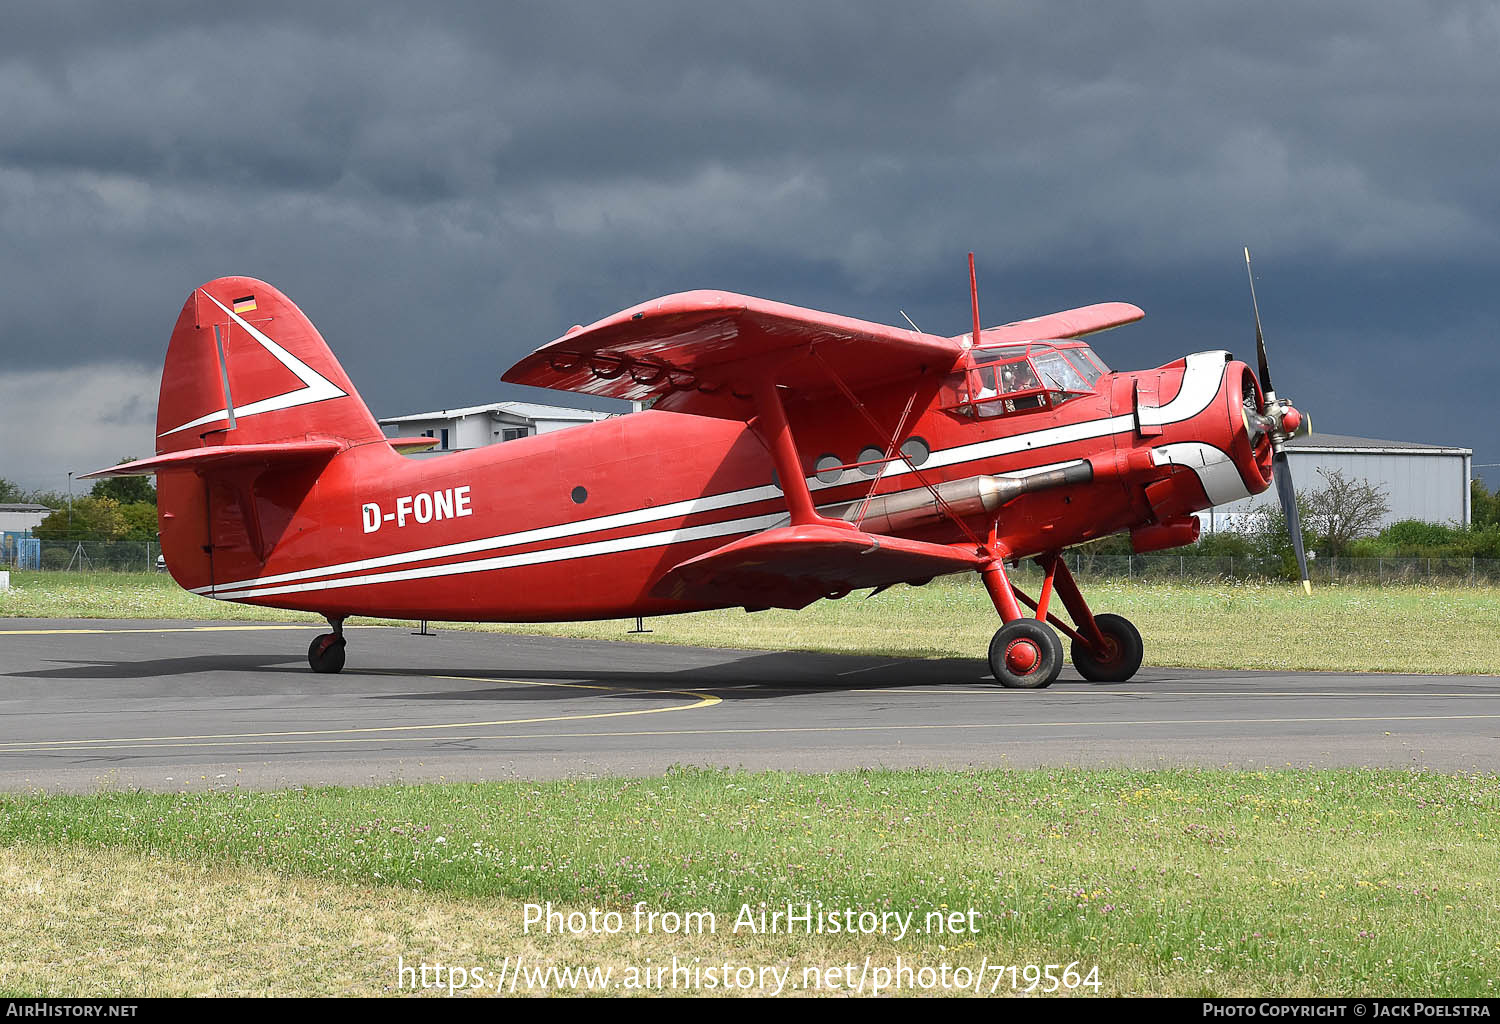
x,y
1013,378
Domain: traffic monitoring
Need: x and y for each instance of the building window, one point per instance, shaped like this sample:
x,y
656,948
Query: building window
x,y
443,444
514,433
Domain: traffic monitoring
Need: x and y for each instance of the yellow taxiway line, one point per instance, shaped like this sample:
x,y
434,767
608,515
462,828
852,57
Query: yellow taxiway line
x,y
332,736
701,700
170,629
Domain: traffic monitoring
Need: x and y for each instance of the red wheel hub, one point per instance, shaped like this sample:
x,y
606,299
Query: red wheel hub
x,y
1022,656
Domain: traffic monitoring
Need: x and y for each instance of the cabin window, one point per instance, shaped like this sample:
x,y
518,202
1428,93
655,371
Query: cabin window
x,y
916,450
872,461
829,468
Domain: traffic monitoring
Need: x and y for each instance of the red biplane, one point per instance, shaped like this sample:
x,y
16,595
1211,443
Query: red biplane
x,y
788,456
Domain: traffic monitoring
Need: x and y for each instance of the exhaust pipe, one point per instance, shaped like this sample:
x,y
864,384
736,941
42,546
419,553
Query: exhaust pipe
x,y
971,497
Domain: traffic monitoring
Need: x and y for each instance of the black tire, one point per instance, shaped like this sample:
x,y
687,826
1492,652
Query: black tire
x,y
1125,657
326,654
1018,640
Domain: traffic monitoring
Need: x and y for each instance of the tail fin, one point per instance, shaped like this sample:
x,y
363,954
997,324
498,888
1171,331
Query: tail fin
x,y
253,406
245,366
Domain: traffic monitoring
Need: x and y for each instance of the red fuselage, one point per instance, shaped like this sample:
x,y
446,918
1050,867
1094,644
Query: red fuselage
x,y
583,523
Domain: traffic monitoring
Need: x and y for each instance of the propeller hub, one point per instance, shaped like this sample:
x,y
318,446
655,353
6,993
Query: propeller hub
x,y
1291,419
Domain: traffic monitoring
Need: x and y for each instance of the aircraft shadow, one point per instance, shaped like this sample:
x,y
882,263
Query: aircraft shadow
x,y
751,676
768,676
162,667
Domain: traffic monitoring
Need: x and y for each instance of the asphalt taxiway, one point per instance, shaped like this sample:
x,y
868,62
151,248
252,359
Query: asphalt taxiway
x,y
185,705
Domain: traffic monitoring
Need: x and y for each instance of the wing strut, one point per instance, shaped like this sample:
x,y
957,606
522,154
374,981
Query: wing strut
x,y
777,433
921,477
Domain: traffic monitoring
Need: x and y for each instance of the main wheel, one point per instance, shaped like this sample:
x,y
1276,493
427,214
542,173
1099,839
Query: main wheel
x,y
1026,655
326,653
1122,657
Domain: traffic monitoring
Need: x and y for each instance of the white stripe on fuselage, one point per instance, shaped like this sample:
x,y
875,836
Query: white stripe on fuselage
x,y
602,547
1192,398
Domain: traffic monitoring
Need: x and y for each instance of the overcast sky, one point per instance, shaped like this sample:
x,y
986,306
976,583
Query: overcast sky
x,y
443,188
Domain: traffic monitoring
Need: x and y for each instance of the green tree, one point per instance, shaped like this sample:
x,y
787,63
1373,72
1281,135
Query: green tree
x,y
1484,506
90,518
125,489
1343,510
12,492
140,520
1269,536
1223,544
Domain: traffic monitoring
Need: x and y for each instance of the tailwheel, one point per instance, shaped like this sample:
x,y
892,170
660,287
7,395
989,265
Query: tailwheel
x,y
1121,657
1025,654
326,654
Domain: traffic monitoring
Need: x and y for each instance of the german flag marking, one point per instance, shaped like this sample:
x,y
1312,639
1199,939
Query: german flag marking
x,y
244,305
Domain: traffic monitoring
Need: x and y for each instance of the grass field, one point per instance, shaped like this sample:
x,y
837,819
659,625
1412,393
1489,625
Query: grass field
x,y
1190,625
1179,882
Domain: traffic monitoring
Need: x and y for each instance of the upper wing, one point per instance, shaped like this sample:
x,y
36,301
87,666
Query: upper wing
x,y
714,343
793,566
1070,323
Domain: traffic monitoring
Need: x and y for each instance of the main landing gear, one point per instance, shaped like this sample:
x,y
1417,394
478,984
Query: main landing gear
x,y
1026,654
327,651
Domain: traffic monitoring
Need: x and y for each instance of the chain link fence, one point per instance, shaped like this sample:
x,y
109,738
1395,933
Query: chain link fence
x,y
1370,571
81,555
141,556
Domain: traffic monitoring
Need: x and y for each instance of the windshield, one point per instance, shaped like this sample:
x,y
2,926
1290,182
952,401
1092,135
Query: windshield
x,y
1057,373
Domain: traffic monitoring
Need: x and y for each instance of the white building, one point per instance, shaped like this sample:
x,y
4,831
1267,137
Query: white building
x,y
20,518
479,425
1421,481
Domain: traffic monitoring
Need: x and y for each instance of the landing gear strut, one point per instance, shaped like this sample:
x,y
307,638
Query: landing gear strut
x,y
1026,654
327,651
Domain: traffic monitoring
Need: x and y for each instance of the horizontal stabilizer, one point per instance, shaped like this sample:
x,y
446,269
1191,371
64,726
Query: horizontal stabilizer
x,y
224,456
406,445
793,566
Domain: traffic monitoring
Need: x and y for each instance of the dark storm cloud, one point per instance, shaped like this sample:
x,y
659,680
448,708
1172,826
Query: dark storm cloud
x,y
467,181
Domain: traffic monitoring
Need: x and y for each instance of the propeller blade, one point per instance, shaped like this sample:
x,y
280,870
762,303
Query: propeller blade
x,y
1260,340
1282,471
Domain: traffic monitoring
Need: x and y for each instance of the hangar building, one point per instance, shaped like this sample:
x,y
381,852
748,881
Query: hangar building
x,y
1421,481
